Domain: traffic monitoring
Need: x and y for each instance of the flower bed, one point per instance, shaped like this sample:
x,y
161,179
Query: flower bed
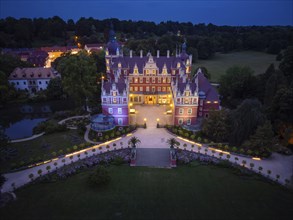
x,y
118,131
115,157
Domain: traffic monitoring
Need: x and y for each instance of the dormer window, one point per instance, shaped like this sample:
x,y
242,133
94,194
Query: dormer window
x,y
119,65
187,93
178,65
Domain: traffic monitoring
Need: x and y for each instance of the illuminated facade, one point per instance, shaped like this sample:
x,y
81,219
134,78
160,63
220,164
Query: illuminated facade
x,y
163,80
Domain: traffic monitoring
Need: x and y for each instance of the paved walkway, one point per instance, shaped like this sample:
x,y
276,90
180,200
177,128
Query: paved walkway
x,y
153,157
73,117
27,139
153,137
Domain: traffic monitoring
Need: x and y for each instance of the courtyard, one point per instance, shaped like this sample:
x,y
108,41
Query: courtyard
x,y
151,113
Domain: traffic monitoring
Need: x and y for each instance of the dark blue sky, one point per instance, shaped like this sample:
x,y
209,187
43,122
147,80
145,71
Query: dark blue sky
x,y
236,12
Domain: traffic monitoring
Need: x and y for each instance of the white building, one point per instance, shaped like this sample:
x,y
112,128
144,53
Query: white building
x,y
32,79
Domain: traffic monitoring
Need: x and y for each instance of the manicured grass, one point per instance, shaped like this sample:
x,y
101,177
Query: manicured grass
x,y
218,65
197,192
42,147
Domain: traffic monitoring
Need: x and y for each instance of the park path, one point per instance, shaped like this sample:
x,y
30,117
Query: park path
x,y
153,137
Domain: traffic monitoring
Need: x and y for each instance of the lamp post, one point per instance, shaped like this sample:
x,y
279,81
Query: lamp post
x,y
144,122
158,120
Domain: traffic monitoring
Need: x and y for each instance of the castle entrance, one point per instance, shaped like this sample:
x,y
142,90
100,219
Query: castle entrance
x,y
150,99
153,114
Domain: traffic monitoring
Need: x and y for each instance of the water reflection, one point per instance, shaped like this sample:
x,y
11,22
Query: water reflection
x,y
19,120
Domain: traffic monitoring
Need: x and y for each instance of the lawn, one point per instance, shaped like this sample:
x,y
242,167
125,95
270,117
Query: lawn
x,y
197,192
218,65
41,148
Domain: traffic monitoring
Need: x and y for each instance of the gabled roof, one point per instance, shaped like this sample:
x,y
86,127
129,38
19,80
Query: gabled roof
x,y
129,62
120,85
205,86
32,73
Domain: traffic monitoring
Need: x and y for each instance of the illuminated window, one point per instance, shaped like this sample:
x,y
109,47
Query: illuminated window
x,y
135,80
120,111
164,89
187,93
189,111
147,80
119,65
215,102
114,100
164,80
147,88
110,110
168,80
135,89
141,88
154,71
130,89
147,71
208,102
178,65
153,80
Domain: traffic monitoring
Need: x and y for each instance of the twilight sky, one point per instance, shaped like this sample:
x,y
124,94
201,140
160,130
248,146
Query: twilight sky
x,y
219,12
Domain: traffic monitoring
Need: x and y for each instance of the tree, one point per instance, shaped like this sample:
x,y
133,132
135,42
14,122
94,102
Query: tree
x,y
286,65
216,126
54,89
262,139
133,141
4,140
275,82
2,180
244,121
172,142
236,85
99,177
78,76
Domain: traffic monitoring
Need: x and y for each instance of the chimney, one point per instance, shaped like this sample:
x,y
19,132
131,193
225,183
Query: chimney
x,y
141,54
168,53
158,53
130,53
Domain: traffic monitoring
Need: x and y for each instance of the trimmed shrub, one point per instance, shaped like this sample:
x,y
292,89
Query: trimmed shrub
x,y
99,177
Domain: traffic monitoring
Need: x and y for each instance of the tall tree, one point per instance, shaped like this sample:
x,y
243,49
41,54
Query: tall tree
x,y
244,120
54,89
78,73
217,125
262,139
236,85
286,65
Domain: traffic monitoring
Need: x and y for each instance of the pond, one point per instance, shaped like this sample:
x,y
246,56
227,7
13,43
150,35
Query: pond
x,y
20,119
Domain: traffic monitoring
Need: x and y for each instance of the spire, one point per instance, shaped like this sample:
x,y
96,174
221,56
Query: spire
x,y
184,46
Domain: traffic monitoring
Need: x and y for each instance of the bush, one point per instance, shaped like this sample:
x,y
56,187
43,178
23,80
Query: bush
x,y
49,127
99,177
118,161
192,137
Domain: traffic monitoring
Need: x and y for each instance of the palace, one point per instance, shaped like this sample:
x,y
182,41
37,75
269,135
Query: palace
x,y
162,80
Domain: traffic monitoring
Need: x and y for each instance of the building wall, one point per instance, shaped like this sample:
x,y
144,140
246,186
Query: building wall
x,y
19,84
181,112
115,113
